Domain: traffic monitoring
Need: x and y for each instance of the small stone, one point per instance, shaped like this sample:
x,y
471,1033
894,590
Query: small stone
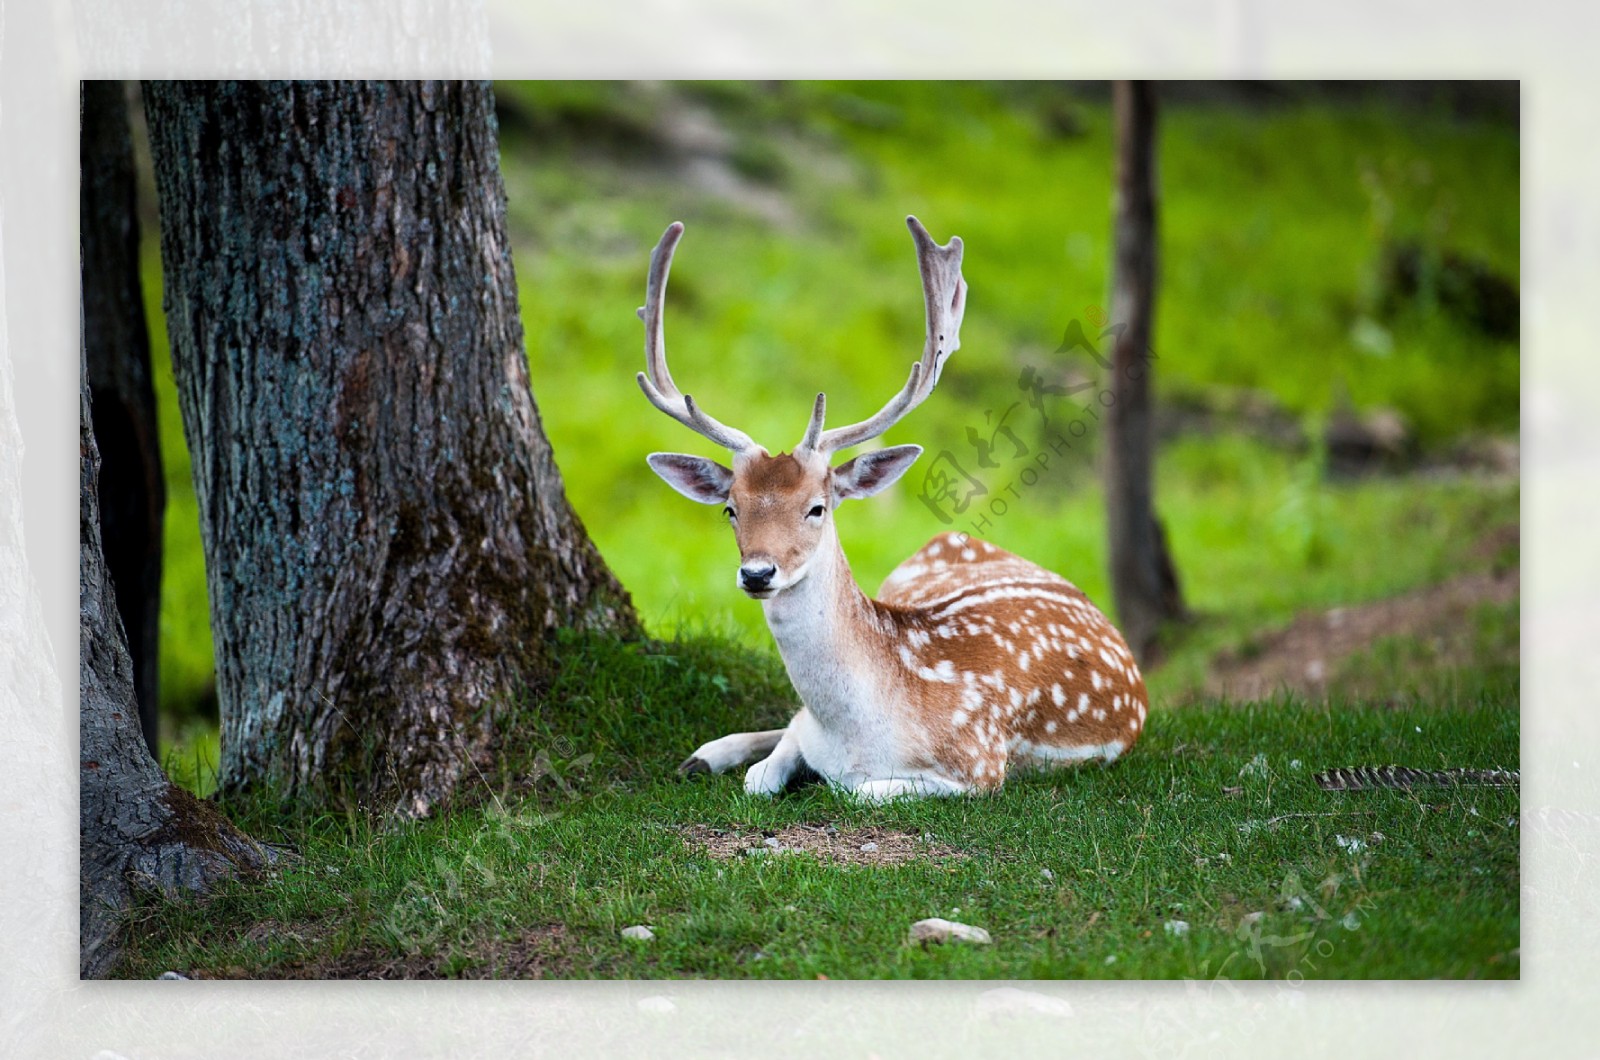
x,y
790,909
1047,874
172,975
655,1003
1176,928
1111,959
773,842
1352,844
937,929
869,848
638,932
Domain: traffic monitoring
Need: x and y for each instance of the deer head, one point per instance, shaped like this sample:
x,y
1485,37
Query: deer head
x,y
781,507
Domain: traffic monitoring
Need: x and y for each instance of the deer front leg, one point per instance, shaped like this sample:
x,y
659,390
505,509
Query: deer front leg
x,y
724,754
879,791
772,774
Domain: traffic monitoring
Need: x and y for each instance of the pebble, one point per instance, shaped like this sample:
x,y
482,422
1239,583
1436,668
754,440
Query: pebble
x,y
937,929
1176,928
172,975
869,848
1047,874
639,932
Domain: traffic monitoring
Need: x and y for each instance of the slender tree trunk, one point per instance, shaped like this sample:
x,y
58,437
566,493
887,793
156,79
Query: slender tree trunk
x,y
132,491
134,828
388,541
1144,582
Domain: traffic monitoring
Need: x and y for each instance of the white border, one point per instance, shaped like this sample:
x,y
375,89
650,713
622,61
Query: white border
x,y
48,45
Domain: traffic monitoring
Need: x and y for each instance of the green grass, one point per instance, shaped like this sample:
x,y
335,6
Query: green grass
x,y
587,842
1273,224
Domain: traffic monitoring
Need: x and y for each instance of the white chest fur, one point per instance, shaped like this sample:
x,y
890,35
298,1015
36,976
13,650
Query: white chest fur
x,y
851,729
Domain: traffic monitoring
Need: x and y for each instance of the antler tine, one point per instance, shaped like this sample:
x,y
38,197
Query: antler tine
x,y
814,428
656,380
945,294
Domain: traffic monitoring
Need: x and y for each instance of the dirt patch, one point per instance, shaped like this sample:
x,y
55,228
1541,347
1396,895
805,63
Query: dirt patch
x,y
265,932
1307,656
856,846
541,953
537,953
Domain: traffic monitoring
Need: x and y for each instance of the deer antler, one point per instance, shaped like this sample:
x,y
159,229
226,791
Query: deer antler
x,y
656,380
945,293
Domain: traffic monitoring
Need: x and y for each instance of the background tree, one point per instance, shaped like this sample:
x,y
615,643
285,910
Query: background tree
x,y
134,827
117,344
1144,582
388,541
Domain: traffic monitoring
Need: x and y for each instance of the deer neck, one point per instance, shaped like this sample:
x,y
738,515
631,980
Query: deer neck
x,y
827,631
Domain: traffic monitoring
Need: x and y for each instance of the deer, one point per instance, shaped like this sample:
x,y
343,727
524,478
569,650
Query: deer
x,y
971,663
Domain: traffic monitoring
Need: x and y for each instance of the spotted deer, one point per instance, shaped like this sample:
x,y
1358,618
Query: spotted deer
x,y
972,661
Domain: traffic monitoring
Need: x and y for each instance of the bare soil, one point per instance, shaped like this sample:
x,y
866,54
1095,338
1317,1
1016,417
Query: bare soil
x,y
856,846
1308,655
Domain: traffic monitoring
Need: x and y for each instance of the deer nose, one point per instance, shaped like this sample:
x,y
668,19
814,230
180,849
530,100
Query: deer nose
x,y
756,576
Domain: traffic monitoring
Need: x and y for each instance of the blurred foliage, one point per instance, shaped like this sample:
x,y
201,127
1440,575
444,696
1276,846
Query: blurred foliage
x,y
1278,225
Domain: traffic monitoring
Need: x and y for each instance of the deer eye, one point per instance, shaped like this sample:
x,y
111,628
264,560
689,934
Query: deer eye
x,y
815,512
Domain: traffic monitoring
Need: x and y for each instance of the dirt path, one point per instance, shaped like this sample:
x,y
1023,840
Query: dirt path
x,y
1307,655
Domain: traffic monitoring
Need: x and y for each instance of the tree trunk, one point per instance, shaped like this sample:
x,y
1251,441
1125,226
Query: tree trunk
x,y
132,491
388,541
1144,582
134,828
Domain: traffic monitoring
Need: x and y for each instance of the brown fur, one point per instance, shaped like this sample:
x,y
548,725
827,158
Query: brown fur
x,y
976,728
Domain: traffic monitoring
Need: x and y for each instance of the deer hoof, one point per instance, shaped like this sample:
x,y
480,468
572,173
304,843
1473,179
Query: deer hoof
x,y
693,765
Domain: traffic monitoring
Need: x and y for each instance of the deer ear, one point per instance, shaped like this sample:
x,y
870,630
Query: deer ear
x,y
872,472
695,477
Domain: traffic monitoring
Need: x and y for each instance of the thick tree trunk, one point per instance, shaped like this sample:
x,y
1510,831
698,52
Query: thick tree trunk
x,y
388,541
1144,582
132,492
134,828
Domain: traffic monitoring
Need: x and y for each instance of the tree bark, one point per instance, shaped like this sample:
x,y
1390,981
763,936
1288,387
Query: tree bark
x,y
388,541
134,828
1144,582
123,402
